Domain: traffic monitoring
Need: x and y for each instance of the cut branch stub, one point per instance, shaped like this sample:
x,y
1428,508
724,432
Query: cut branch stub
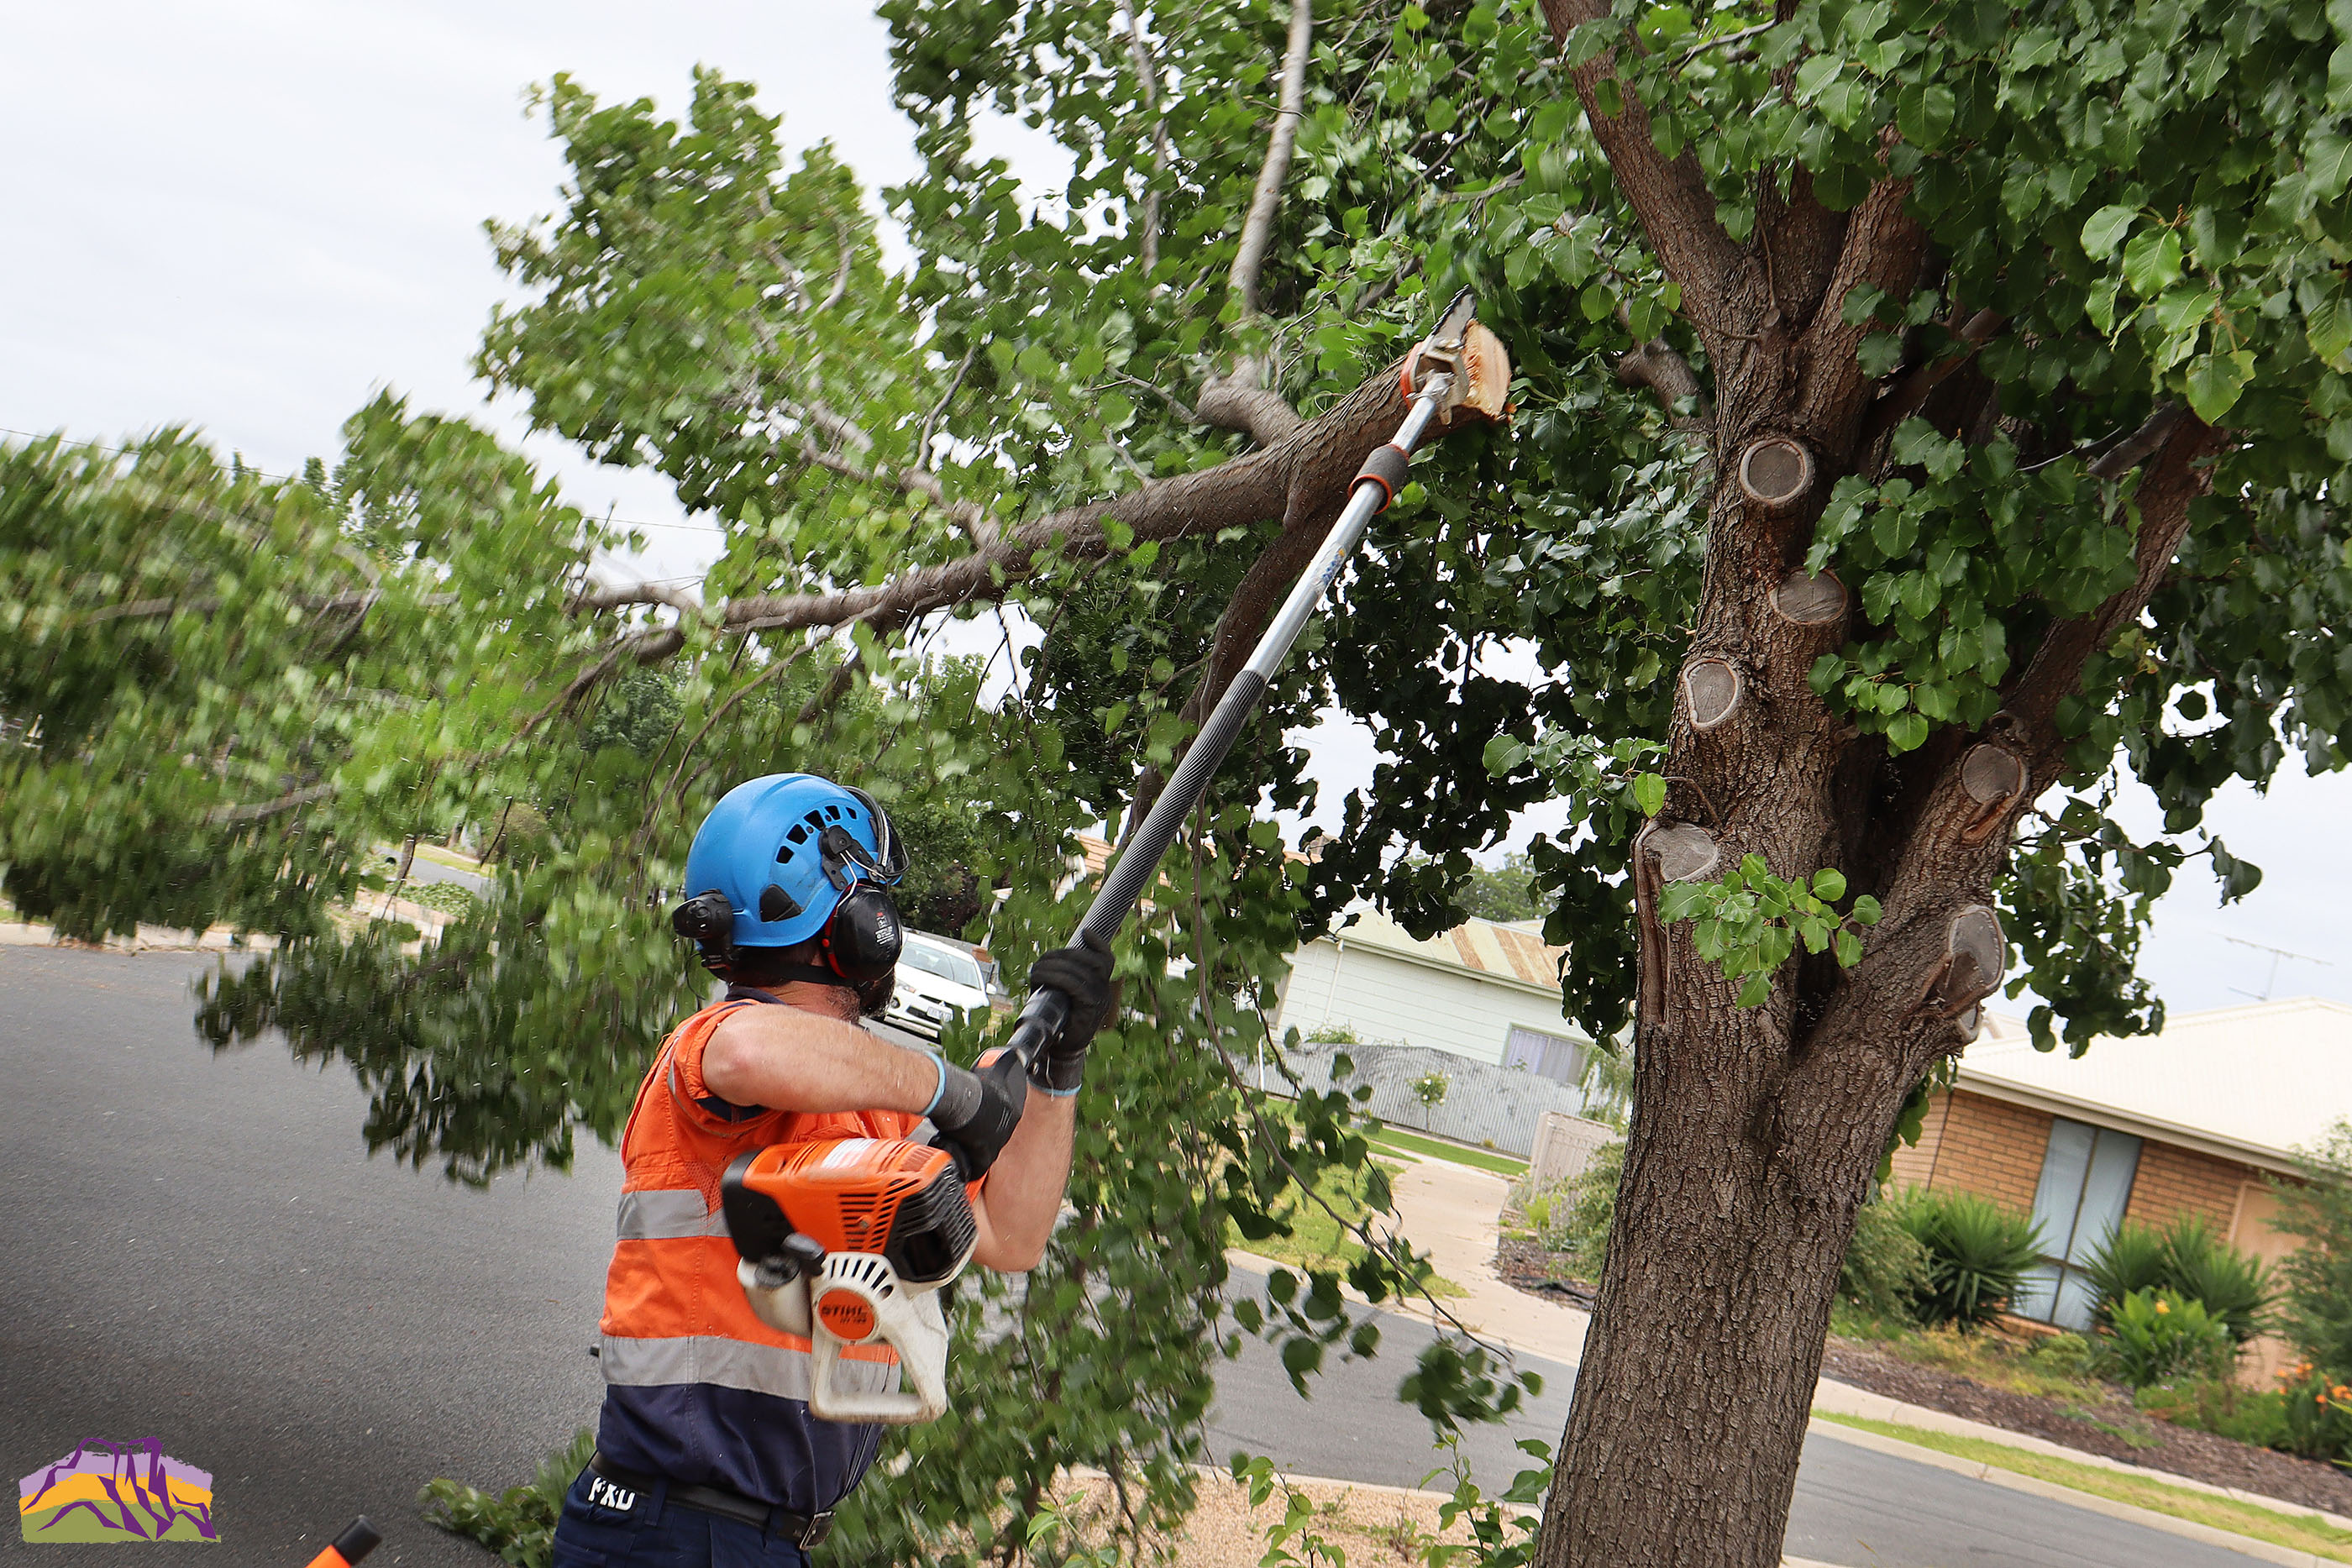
x,y
1684,851
1776,472
1975,955
1993,777
1809,598
1969,1024
1711,691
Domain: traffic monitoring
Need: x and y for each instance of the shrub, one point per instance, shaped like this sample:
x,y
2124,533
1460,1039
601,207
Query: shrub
x,y
2154,1337
2188,1258
1885,1269
2234,1285
2068,1355
2131,1259
2316,1311
1977,1254
2220,1406
1572,1217
2317,1412
518,1523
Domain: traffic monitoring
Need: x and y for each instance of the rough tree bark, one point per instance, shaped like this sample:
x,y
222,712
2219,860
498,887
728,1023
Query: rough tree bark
x,y
1757,1132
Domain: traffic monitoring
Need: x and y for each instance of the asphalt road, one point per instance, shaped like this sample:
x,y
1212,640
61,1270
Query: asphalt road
x,y
199,1248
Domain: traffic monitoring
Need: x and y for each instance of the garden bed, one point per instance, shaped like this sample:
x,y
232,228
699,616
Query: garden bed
x,y
1524,1266
2113,1427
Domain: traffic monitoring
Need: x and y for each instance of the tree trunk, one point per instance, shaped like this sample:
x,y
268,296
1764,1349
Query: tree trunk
x,y
1743,1174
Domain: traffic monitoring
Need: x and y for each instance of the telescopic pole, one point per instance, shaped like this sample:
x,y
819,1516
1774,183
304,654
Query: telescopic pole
x,y
1376,483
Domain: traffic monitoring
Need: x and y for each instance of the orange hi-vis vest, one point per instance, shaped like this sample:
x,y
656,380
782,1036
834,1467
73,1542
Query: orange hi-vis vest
x,y
697,1387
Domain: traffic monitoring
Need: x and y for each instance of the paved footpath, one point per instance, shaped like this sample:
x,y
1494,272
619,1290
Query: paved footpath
x,y
199,1248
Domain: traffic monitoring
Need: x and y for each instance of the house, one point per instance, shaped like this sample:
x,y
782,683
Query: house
x,y
2201,1119
1484,990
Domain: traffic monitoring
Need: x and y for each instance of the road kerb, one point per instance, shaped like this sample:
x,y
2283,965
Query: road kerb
x,y
1978,1470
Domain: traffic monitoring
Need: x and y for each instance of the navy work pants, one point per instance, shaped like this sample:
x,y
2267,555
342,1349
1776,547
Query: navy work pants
x,y
648,1533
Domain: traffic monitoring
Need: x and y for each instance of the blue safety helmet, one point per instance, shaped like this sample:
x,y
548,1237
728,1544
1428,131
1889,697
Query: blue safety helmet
x,y
785,850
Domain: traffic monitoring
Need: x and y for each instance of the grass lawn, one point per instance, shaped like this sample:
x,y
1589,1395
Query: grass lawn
x,y
2299,1532
1398,1142
1317,1240
449,858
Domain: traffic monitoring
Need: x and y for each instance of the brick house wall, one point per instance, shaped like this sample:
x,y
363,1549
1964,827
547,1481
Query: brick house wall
x,y
2174,1181
1973,1144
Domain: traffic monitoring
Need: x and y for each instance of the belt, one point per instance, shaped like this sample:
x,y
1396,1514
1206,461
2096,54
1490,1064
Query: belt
x,y
802,1529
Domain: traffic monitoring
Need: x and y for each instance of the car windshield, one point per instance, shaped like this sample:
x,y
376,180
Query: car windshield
x,y
944,962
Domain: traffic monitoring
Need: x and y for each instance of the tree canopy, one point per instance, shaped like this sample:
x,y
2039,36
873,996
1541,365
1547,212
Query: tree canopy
x,y
1929,413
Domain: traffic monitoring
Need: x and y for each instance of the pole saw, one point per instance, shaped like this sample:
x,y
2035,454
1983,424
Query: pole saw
x,y
844,1243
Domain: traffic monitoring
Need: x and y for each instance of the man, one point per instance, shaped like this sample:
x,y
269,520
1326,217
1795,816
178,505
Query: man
x,y
707,1452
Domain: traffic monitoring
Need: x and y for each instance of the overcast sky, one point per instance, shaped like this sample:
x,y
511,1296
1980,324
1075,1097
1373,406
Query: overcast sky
x,y
250,216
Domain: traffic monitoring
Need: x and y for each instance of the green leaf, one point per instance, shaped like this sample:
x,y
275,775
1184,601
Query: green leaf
x,y
1923,113
1829,883
2152,261
1908,731
2216,381
1650,793
2105,229
2328,163
1756,991
2329,327
1865,909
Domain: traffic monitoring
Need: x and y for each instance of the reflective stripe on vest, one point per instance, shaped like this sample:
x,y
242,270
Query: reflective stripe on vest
x,y
782,1370
660,1213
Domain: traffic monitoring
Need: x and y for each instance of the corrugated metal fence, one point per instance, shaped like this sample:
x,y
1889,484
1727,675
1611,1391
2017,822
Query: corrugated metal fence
x,y
1483,1103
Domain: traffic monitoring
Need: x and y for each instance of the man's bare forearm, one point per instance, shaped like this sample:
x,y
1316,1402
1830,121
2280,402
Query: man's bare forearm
x,y
788,1059
1022,1194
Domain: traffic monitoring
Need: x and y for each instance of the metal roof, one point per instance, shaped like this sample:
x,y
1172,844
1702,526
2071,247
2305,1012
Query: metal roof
x,y
2252,1084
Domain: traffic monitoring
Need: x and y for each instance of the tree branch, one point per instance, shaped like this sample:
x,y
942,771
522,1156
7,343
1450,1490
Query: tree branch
x,y
1147,76
1319,457
1237,403
678,598
1910,395
2177,473
1657,366
1257,229
1676,210
292,800
840,288
1883,249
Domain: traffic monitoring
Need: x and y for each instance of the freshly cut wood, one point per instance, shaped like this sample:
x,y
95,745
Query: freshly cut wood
x,y
1809,598
1711,689
1490,367
1776,472
1685,851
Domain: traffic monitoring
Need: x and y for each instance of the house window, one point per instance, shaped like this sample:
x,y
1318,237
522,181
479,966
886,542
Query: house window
x,y
1545,1055
2086,1179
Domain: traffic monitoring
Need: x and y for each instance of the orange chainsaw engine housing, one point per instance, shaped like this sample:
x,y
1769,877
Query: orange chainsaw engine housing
x,y
885,1196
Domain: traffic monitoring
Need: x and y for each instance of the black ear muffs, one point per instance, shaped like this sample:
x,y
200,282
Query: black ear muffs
x,y
862,941
709,921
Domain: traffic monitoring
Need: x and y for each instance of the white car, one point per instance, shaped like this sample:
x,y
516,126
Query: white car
x,y
938,978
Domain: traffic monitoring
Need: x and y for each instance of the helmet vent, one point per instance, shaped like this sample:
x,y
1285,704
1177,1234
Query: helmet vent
x,y
799,835
776,904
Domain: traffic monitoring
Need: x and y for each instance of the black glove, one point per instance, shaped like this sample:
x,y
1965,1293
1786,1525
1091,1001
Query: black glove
x,y
976,1112
1083,975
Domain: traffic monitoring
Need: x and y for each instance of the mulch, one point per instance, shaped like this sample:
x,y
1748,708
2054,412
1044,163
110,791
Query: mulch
x,y
2114,1428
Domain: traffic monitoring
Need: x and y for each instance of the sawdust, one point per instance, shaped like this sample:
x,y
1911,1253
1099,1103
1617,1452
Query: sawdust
x,y
1375,1526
